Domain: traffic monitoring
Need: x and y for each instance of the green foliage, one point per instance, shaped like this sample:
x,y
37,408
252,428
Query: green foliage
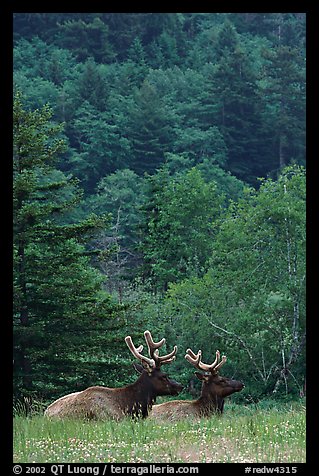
x,y
237,114
150,129
223,86
251,301
203,103
102,147
284,88
179,225
86,39
58,294
122,194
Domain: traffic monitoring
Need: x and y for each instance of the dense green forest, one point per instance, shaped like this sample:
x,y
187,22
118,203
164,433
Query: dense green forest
x,y
159,182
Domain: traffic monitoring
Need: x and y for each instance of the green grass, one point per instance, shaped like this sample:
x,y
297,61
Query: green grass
x,y
242,434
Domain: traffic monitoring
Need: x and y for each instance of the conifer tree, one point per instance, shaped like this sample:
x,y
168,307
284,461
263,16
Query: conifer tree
x,y
238,116
284,87
149,130
61,312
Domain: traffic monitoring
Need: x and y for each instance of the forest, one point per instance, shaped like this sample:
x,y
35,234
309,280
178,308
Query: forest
x,y
159,183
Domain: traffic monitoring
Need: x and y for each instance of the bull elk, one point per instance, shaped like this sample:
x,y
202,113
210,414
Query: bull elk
x,y
214,389
135,399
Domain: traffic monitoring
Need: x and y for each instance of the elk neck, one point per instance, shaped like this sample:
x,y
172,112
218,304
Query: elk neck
x,y
141,396
209,404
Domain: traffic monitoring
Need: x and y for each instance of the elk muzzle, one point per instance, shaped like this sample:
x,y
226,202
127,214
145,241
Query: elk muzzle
x,y
176,387
237,385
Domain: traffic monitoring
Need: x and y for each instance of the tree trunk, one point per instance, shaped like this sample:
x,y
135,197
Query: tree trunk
x,y
295,351
297,342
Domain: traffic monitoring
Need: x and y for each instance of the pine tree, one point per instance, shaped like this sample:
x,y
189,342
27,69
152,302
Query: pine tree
x,y
238,116
91,87
284,88
149,130
59,305
86,39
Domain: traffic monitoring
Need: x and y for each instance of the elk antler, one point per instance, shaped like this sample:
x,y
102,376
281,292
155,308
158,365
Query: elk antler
x,y
154,361
153,350
137,352
196,361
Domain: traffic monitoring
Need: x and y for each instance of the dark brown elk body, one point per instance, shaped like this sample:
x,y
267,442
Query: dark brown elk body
x,y
214,390
135,400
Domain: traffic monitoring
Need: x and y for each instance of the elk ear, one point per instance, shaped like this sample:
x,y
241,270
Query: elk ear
x,y
202,377
138,367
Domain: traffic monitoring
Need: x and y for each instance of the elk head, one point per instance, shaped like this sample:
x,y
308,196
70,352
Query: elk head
x,y
214,387
150,367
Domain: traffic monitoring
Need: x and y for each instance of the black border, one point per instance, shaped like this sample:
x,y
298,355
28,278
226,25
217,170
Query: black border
x,y
6,29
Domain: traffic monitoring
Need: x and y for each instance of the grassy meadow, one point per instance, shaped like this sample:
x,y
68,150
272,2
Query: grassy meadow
x,y
243,434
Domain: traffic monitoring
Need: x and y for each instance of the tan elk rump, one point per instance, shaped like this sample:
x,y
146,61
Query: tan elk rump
x,y
135,399
214,389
